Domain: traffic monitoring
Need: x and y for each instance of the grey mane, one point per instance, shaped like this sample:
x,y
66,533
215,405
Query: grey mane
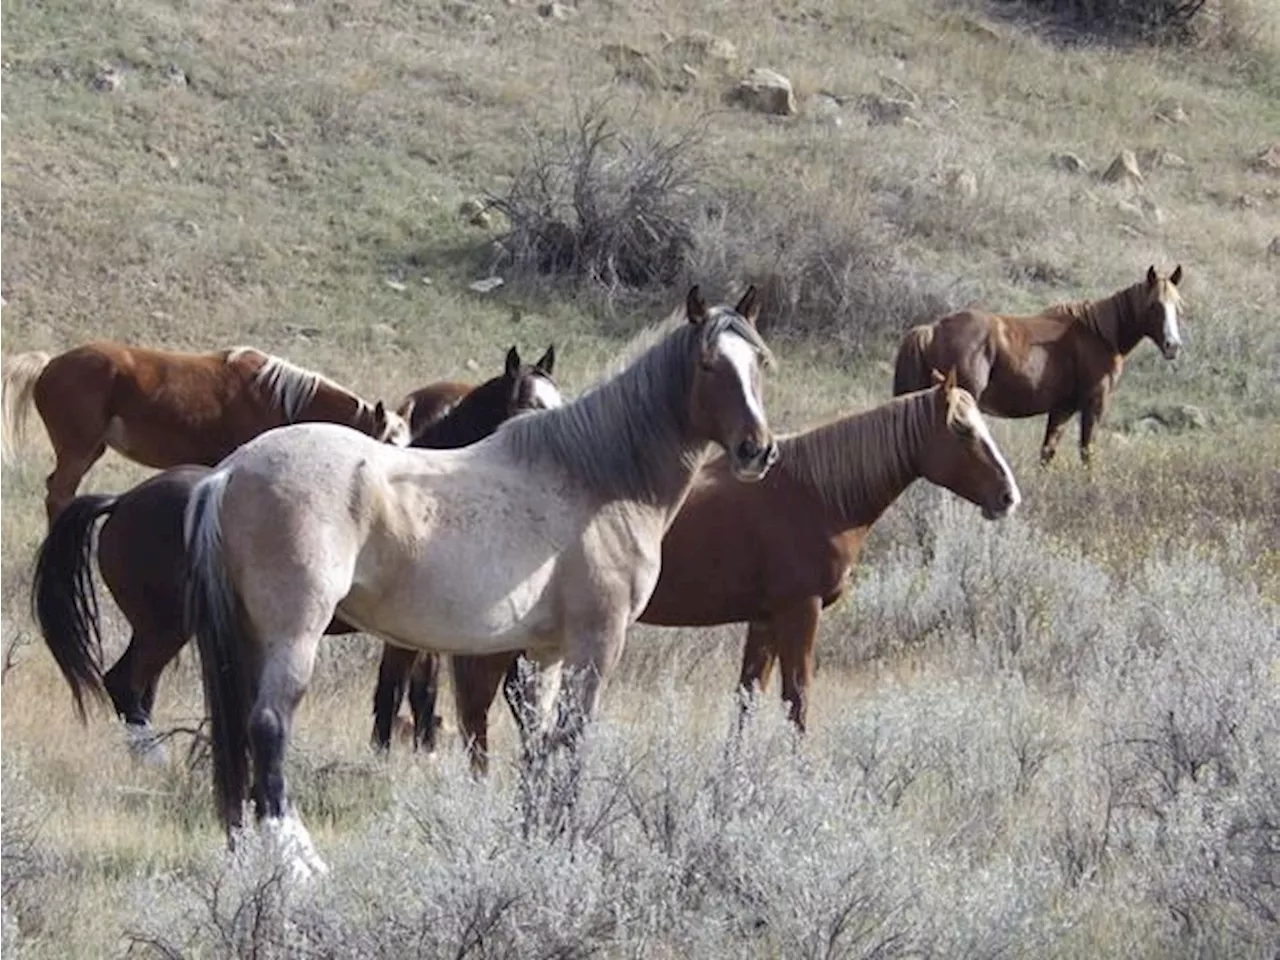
x,y
617,438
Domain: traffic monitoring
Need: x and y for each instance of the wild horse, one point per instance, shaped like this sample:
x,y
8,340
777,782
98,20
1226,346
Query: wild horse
x,y
1065,359
545,536
163,409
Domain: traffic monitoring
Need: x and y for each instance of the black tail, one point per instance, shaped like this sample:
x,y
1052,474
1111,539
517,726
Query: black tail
x,y
213,614
64,600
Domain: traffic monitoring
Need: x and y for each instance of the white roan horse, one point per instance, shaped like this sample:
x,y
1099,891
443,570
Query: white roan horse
x,y
545,537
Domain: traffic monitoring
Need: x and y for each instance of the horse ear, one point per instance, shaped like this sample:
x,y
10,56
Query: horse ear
x,y
1176,277
749,306
546,363
380,411
695,306
513,363
937,377
1151,276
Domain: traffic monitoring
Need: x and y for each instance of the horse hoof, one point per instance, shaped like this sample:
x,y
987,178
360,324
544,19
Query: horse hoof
x,y
292,845
145,746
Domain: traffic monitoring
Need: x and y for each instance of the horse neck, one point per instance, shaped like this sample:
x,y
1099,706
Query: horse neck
x,y
468,421
627,438
334,405
1114,319
857,466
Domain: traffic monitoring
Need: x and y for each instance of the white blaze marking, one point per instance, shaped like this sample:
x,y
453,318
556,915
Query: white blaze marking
x,y
545,393
742,356
980,428
1171,336
398,432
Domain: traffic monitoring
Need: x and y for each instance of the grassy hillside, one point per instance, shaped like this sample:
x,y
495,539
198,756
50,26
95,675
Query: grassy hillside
x,y
1052,737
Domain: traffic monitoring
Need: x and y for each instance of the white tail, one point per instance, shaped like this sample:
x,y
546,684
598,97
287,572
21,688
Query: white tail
x,y
18,376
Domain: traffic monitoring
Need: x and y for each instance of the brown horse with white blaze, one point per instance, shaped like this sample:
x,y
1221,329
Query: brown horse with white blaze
x,y
1064,360
163,409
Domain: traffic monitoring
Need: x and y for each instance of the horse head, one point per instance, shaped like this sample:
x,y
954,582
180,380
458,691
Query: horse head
x,y
1158,314
962,455
528,387
389,426
727,406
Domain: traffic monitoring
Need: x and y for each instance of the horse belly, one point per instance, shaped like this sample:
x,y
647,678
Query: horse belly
x,y
459,608
1014,393
117,437
161,448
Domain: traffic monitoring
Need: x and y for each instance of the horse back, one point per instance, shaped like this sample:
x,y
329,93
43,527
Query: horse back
x,y
158,407
195,382
427,405
1032,364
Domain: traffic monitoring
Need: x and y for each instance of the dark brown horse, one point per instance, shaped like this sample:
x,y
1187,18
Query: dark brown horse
x,y
518,389
775,553
163,409
141,558
1064,360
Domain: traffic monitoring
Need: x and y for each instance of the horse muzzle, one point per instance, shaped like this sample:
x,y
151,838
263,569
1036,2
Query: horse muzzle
x,y
1004,505
750,460
1170,349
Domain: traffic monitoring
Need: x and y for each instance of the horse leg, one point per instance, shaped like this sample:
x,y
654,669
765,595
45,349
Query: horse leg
x,y
132,692
577,702
795,631
552,771
1059,417
424,687
284,679
758,657
393,675
1090,416
68,471
125,697
475,684
532,685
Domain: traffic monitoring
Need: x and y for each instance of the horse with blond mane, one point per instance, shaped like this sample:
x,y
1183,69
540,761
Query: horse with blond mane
x,y
545,536
1064,360
162,409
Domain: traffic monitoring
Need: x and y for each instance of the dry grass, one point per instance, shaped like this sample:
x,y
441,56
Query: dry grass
x,y
318,151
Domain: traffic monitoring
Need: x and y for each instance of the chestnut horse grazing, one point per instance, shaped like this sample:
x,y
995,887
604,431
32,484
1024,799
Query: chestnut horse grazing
x,y
142,558
545,536
774,554
163,409
1060,362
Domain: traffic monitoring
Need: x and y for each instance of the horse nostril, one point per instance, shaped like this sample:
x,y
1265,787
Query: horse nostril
x,y
1006,498
748,450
